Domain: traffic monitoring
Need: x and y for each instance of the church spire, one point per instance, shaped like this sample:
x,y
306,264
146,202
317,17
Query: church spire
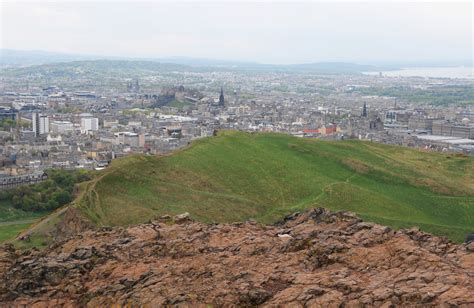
x,y
364,111
221,97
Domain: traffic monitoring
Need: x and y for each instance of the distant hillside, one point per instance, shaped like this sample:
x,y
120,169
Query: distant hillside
x,y
318,68
10,57
236,176
33,63
127,68
334,67
94,68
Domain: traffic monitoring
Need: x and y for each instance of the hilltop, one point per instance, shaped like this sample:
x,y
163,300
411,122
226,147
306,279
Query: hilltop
x,y
311,259
237,176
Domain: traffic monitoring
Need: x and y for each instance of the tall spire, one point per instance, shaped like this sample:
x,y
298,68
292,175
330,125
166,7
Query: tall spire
x,y
221,97
364,111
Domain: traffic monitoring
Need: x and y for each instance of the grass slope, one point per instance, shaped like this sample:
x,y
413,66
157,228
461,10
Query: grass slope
x,y
11,230
9,214
13,221
236,176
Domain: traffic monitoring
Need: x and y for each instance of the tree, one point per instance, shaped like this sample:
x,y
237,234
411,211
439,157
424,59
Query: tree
x,y
50,194
7,124
62,197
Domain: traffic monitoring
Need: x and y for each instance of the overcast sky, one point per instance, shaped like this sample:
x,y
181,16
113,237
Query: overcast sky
x,y
264,32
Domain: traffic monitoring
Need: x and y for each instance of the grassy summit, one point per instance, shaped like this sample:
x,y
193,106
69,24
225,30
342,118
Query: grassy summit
x,y
236,176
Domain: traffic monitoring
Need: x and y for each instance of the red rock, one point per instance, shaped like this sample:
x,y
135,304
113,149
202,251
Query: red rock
x,y
330,259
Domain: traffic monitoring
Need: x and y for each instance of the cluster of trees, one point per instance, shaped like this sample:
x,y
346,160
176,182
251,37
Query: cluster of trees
x,y
7,123
48,195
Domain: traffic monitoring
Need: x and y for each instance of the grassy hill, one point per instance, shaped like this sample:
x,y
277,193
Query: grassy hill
x,y
237,176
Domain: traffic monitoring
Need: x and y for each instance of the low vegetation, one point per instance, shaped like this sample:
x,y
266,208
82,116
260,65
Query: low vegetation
x,y
8,231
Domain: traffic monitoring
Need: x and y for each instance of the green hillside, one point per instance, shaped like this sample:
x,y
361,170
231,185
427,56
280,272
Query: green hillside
x,y
236,176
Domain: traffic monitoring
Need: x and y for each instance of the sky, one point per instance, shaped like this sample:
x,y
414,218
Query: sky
x,y
267,32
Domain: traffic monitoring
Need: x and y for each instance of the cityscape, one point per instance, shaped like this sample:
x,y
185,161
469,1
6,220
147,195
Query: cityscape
x,y
236,153
69,123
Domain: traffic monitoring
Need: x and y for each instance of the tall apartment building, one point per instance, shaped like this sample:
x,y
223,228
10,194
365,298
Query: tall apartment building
x,y
40,124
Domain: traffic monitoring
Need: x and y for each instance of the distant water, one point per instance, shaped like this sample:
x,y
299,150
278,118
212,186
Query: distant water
x,y
437,72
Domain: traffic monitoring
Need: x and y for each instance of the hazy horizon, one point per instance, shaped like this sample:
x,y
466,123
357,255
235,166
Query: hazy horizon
x,y
274,33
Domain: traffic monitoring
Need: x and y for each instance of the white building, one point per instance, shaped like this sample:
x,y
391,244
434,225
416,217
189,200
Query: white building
x,y
53,139
61,127
40,124
89,124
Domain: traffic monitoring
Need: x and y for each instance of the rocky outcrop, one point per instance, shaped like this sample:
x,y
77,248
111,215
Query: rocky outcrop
x,y
315,258
71,222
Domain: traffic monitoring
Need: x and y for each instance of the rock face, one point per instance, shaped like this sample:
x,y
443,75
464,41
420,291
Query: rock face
x,y
316,258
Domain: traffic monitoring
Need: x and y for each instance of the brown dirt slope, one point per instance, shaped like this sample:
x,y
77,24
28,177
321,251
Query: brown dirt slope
x,y
315,258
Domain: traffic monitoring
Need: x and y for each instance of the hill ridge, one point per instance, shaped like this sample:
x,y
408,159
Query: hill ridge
x,y
264,176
